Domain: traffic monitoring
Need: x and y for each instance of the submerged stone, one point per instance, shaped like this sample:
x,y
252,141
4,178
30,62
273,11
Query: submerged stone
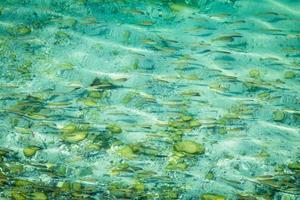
x,y
16,168
69,128
294,166
114,128
246,197
126,152
212,197
89,102
177,166
278,116
39,196
95,94
189,147
30,151
139,187
186,118
23,30
210,176
67,22
195,123
92,147
4,152
254,73
64,186
289,75
74,137
76,186
169,193
18,195
61,170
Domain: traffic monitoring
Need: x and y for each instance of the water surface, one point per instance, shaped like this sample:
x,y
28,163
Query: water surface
x,y
130,99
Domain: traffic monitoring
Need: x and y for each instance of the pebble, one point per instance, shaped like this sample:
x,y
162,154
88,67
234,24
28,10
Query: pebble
x,y
30,151
74,137
212,197
189,147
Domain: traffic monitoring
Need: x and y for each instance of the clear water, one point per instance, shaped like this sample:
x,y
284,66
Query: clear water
x,y
130,99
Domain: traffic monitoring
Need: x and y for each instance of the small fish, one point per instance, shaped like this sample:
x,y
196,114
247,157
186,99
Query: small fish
x,y
147,23
103,84
226,38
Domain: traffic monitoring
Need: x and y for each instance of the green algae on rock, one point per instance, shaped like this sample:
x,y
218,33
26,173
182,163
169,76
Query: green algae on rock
x,y
74,137
278,116
289,75
114,128
177,166
69,128
96,94
187,146
23,30
210,175
92,147
30,151
38,196
254,73
126,152
89,102
294,166
212,197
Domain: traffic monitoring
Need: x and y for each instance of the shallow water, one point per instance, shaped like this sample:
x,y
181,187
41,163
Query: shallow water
x,y
157,99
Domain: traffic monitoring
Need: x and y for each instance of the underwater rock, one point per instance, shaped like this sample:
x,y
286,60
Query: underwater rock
x,y
246,197
4,152
18,195
74,137
64,186
60,170
95,94
67,66
212,197
16,169
189,147
254,73
186,118
76,186
210,176
294,166
92,147
89,102
126,152
289,75
177,166
23,30
139,186
30,151
67,22
69,128
39,196
114,128
278,116
195,123
287,182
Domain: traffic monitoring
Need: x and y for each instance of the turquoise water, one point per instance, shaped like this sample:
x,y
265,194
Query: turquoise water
x,y
130,99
